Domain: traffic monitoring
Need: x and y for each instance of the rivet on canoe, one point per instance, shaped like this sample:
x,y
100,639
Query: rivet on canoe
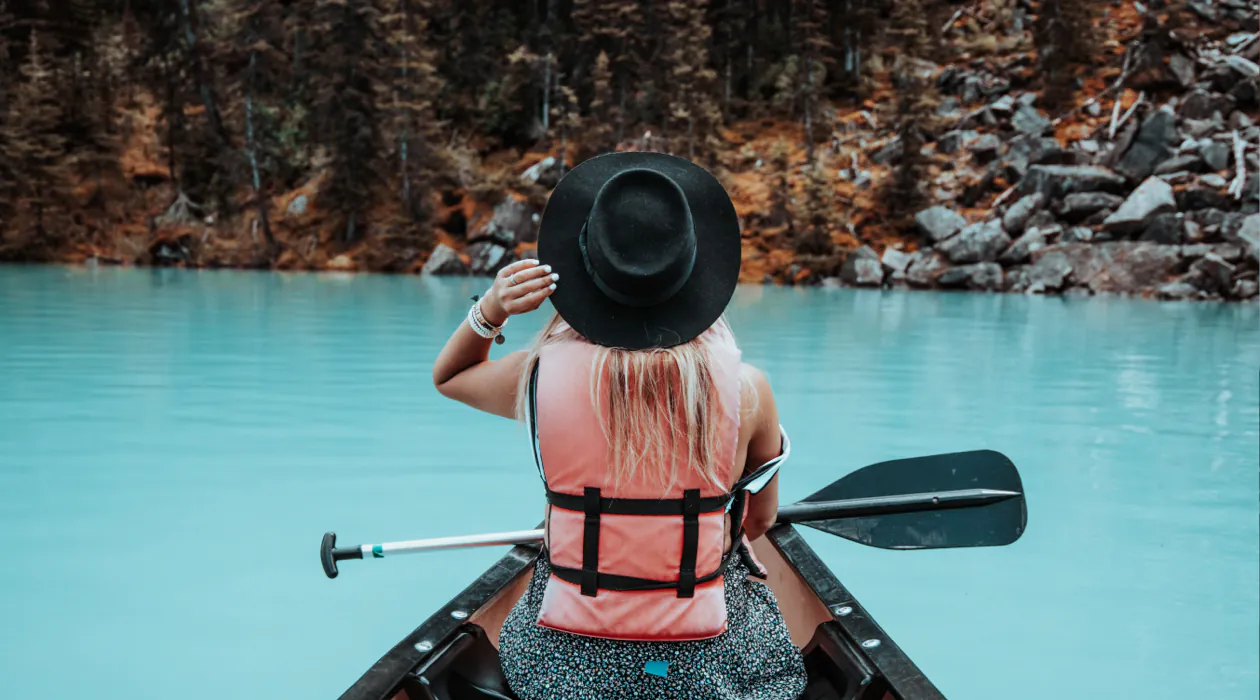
x,y
842,610
459,614
424,647
870,643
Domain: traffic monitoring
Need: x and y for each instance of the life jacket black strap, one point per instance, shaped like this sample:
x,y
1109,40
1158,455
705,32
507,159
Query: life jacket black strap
x,y
639,506
590,543
690,543
616,582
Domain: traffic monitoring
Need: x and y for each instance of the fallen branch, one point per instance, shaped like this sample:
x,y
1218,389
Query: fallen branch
x,y
951,21
1115,114
1244,44
1002,197
1124,74
1137,103
1240,167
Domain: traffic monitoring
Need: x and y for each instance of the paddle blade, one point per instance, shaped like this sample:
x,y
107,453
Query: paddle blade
x,y
988,525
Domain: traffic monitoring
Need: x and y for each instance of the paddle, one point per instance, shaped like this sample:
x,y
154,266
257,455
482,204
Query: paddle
x,y
964,499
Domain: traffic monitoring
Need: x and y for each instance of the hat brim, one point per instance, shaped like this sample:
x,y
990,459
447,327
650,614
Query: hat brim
x,y
700,301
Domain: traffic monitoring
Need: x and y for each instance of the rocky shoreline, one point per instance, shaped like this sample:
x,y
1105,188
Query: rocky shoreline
x,y
1165,206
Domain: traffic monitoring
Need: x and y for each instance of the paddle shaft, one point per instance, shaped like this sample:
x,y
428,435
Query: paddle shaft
x,y
796,512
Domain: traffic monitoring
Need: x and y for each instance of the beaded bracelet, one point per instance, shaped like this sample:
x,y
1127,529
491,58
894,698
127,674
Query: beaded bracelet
x,y
481,326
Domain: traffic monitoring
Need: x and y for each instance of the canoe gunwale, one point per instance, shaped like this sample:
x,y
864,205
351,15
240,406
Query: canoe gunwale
x,y
902,678
388,673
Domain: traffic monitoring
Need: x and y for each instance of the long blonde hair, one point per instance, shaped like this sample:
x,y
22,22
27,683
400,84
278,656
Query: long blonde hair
x,y
657,400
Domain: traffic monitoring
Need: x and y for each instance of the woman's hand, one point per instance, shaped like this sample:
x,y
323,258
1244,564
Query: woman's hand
x,y
518,289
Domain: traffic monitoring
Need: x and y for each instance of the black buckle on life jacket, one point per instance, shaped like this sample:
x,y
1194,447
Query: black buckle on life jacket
x,y
590,542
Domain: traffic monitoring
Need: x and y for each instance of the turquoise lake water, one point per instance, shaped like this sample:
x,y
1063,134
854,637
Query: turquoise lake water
x,y
173,445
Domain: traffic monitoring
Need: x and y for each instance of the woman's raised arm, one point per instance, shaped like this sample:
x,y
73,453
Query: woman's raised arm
x,y
463,370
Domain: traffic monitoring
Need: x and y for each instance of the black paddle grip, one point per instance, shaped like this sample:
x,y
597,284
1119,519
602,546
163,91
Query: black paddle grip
x,y
330,554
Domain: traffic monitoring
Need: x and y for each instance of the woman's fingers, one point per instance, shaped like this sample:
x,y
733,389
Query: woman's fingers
x,y
527,286
534,299
527,274
519,265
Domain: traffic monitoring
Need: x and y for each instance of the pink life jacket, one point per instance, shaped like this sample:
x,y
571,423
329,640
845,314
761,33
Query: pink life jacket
x,y
633,562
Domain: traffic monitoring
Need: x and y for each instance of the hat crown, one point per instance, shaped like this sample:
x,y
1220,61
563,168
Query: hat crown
x,y
639,241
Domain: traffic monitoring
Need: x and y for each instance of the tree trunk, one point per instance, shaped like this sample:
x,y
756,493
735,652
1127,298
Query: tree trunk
x,y
199,72
252,148
546,105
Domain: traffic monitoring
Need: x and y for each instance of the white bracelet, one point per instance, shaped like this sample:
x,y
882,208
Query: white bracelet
x,y
481,326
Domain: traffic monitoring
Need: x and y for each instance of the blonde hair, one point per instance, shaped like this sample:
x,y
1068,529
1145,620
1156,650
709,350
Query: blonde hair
x,y
657,399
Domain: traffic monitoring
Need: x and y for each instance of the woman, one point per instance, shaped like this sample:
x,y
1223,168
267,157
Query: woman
x,y
657,447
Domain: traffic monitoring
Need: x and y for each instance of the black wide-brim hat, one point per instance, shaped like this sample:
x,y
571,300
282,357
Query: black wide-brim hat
x,y
647,247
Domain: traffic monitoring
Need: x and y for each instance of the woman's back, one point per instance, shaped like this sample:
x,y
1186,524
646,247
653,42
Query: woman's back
x,y
657,448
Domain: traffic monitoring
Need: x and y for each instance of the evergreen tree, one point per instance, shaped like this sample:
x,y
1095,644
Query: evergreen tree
x,y
36,148
347,63
8,174
1065,35
604,112
912,113
693,115
815,57
413,127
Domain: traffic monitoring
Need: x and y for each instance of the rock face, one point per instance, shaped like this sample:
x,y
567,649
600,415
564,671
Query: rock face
x,y
1021,211
980,242
444,261
924,268
1049,274
1249,236
1080,205
939,223
985,276
895,263
1152,197
1034,239
1165,228
862,269
511,223
1124,267
488,258
1058,181
1211,274
1154,144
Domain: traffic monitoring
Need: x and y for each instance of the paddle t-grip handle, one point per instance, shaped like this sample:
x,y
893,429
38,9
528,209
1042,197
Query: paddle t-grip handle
x,y
330,554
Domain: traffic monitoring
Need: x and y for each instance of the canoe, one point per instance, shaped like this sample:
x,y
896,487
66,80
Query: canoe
x,y
453,654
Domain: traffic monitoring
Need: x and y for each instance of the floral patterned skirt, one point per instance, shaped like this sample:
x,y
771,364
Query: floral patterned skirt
x,y
754,659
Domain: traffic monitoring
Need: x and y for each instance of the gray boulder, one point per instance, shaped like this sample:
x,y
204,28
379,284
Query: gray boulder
x,y
939,223
1029,121
487,258
1077,234
1248,237
1245,289
1079,205
1182,68
1166,229
895,264
1186,162
1027,151
1216,155
979,242
985,147
862,269
1152,197
1211,274
1154,144
1058,181
925,267
1123,267
444,261
1213,180
1177,290
951,141
1034,239
511,223
982,276
1201,104
1049,273
1016,218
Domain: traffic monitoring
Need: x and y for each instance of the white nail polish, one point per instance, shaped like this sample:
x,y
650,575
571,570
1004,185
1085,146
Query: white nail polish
x,y
555,276
552,287
546,268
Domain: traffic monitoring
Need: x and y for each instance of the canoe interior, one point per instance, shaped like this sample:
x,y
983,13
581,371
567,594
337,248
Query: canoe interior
x,y
454,654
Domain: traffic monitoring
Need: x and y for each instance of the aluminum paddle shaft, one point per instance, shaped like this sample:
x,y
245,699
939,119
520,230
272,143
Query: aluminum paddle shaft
x,y
330,553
